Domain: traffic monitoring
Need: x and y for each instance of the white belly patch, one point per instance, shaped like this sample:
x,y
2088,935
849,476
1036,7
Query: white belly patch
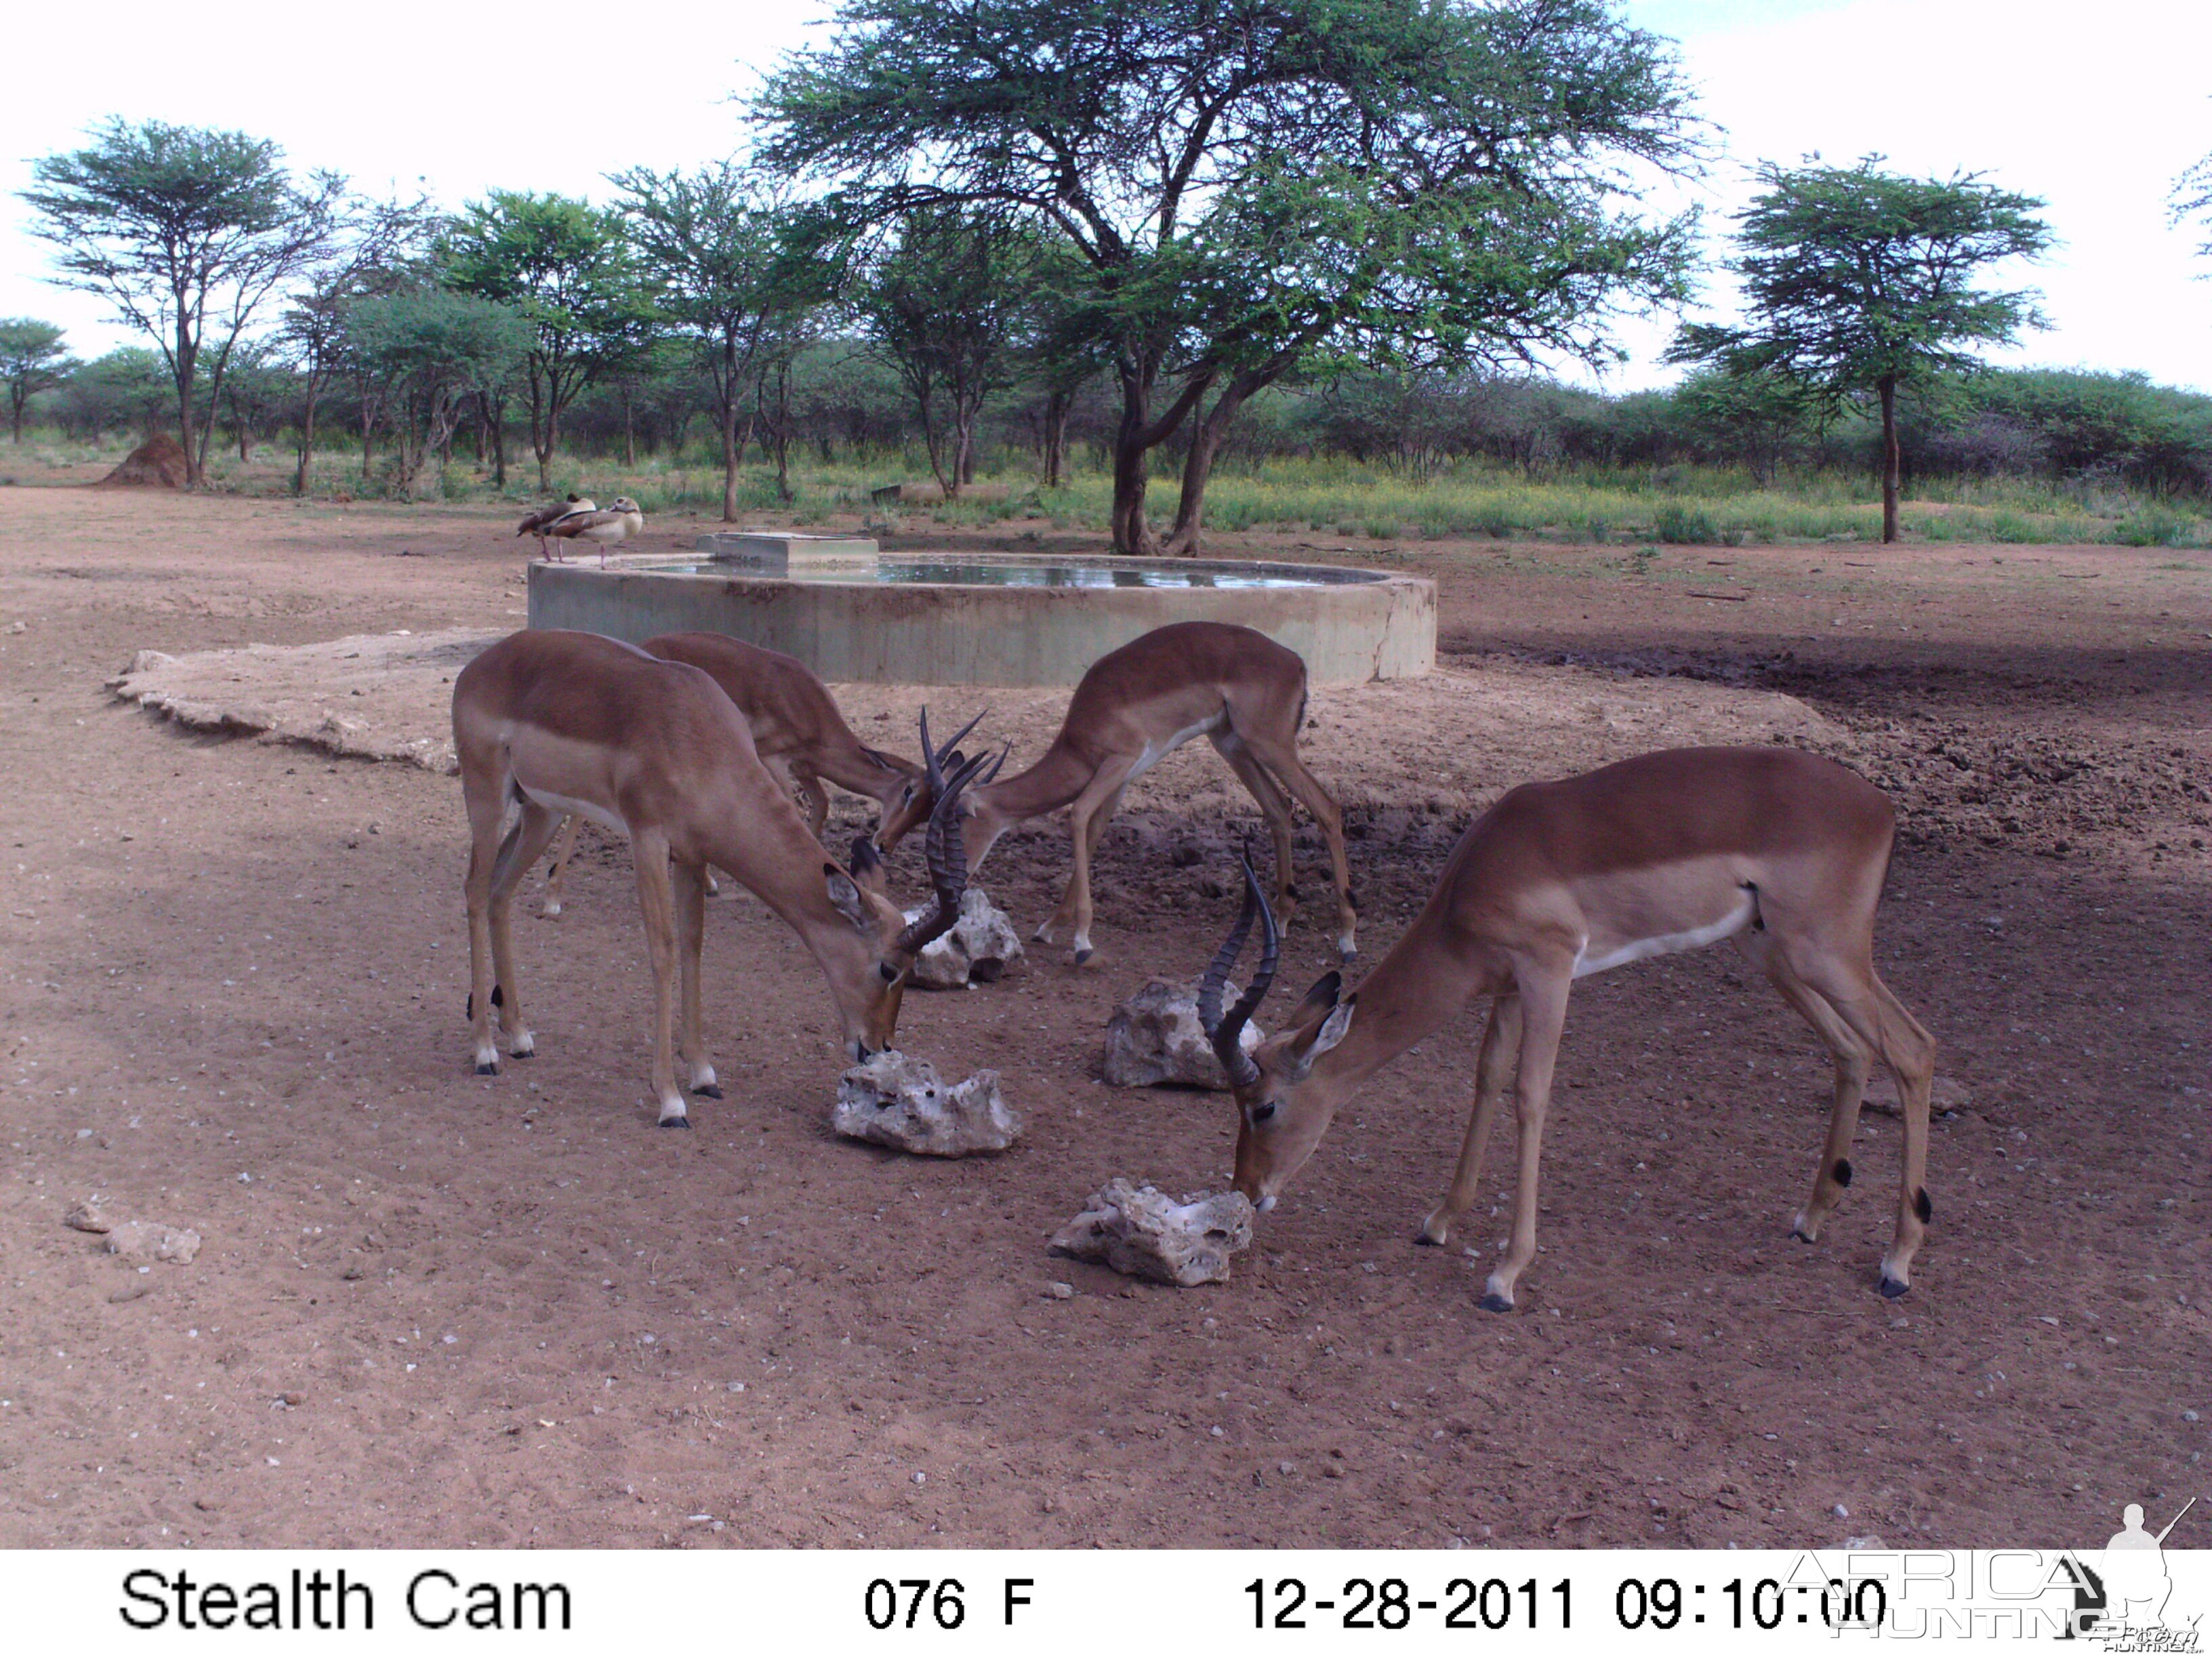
x,y
585,809
1156,752
1665,944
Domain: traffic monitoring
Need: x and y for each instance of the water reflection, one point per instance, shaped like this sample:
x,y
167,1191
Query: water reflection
x,y
1043,572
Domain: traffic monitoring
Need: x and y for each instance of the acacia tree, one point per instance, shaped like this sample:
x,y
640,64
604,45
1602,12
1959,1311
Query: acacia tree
x,y
2193,199
32,361
378,249
1858,282
566,267
946,304
434,352
187,232
1255,187
714,240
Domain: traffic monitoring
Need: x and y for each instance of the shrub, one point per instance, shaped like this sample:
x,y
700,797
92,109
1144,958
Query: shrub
x,y
1683,525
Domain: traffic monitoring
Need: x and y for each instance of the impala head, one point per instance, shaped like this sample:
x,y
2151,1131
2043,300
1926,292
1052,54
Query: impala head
x,y
917,802
1283,1109
870,980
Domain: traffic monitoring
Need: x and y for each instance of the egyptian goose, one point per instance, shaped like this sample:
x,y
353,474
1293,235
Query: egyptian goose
x,y
609,527
538,523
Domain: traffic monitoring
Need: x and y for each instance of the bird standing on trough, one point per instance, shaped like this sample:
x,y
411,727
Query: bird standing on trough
x,y
609,527
540,523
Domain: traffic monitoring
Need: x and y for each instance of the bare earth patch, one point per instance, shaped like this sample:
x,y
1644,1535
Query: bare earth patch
x,y
431,1310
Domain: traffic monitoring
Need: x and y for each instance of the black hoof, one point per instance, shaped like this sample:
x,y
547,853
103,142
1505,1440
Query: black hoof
x,y
1423,1238
674,1123
708,1090
1494,1303
1349,957
487,1068
1802,1236
523,1053
1891,1288
1082,957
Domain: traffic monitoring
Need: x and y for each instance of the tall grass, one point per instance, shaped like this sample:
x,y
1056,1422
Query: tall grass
x,y
1326,496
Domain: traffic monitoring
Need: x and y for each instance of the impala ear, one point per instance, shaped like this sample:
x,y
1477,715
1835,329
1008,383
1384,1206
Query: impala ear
x,y
1327,992
845,898
1300,1058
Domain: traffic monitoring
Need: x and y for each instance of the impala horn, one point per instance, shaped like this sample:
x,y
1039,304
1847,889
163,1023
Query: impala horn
x,y
934,760
945,850
1224,1030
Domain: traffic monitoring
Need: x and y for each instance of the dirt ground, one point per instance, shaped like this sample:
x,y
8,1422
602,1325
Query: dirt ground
x,y
432,1309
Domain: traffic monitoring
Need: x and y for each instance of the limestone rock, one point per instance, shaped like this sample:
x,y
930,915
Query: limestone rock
x,y
896,1100
1142,1232
1155,1038
975,950
86,1217
149,1240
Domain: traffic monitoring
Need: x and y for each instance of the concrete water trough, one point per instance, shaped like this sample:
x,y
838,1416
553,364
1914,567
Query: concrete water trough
x,y
963,618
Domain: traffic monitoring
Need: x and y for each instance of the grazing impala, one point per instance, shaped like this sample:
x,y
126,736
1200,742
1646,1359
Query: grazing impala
x,y
1783,851
1233,686
558,722
798,732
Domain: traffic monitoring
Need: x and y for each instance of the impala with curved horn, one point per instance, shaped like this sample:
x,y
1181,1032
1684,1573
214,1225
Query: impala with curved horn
x,y
1783,851
798,730
1135,705
554,722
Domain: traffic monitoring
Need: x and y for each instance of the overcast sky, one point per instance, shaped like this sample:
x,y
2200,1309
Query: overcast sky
x,y
2095,109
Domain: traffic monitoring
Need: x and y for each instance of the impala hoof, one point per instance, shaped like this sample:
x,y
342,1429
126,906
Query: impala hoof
x,y
678,1122
707,1091
1082,957
487,1068
1893,1288
1494,1303
1802,1236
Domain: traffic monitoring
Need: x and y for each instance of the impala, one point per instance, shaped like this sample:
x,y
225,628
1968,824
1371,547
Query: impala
x,y
558,722
1232,685
1782,852
797,730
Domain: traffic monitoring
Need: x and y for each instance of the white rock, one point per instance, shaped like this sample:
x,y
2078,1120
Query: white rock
x,y
1155,1038
1142,1232
86,1217
149,1240
897,1101
975,951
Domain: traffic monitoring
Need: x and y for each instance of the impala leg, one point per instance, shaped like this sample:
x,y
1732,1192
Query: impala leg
x,y
1087,817
523,846
1282,759
687,887
1887,1027
1493,1069
1852,1057
486,800
1543,1017
817,800
656,902
1274,804
565,850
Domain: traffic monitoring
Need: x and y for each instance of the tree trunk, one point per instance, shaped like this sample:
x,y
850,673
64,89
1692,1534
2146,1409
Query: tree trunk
x,y
245,440
730,448
300,479
1055,436
15,396
495,420
1198,465
1887,387
188,364
630,433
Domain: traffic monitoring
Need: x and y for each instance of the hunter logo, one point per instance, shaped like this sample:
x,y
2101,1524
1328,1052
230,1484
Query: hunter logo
x,y
2121,1601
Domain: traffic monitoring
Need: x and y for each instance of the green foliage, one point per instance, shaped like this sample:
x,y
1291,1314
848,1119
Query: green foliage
x,y
566,268
186,232
1680,525
1853,277
1258,188
433,351
32,361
